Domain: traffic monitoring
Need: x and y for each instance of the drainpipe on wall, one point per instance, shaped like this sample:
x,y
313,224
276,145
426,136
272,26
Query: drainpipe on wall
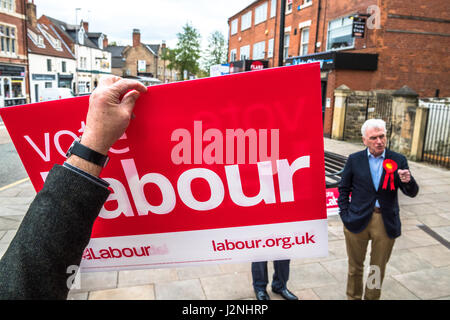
x,y
317,26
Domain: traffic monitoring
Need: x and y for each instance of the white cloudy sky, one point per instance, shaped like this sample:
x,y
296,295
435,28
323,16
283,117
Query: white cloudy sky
x,y
157,19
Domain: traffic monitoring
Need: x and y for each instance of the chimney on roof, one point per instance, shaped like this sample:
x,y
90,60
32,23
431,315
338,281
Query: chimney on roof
x,y
163,45
85,26
136,38
105,41
31,13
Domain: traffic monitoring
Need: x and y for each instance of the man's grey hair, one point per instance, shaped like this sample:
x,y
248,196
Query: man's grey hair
x,y
373,123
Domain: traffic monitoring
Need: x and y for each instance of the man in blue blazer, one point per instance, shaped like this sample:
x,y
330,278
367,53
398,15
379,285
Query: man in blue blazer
x,y
369,209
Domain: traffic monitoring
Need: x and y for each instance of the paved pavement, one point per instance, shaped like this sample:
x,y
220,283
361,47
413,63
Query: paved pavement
x,y
419,267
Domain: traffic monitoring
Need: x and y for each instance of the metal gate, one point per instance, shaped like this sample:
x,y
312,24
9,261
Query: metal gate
x,y
361,108
436,147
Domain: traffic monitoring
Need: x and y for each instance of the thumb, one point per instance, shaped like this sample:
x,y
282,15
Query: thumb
x,y
129,100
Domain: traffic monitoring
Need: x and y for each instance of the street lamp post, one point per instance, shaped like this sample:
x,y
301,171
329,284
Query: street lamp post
x,y
76,50
281,45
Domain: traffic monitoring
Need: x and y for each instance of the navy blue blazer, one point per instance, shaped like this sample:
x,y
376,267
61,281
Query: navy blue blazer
x,y
357,181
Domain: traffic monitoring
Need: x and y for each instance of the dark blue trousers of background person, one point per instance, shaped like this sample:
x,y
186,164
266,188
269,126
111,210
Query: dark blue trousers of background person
x,y
280,275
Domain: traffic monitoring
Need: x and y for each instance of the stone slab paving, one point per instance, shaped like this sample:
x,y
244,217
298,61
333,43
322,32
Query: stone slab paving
x,y
419,266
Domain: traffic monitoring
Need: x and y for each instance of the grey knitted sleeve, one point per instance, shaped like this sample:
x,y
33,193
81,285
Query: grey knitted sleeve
x,y
51,237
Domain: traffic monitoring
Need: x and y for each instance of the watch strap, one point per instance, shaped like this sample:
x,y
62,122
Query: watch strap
x,y
87,154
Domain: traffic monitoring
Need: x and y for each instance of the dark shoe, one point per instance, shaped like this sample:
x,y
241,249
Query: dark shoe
x,y
262,295
285,293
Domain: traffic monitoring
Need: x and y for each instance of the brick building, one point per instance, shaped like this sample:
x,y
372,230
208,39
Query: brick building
x,y
14,86
141,61
406,42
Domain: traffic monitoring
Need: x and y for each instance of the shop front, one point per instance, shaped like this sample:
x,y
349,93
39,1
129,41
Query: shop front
x,y
65,81
84,84
12,85
248,65
40,82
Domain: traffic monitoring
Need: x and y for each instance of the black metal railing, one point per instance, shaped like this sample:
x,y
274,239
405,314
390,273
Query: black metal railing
x,y
436,147
361,108
334,166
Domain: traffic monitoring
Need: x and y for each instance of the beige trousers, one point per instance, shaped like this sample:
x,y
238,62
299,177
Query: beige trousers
x,y
381,248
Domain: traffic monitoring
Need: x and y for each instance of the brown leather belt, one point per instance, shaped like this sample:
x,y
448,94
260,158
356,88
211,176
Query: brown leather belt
x,y
377,210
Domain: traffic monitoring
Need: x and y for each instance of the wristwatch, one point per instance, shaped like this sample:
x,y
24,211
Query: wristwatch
x,y
87,154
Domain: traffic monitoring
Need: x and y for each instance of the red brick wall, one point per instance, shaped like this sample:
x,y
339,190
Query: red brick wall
x,y
420,61
21,41
21,48
261,32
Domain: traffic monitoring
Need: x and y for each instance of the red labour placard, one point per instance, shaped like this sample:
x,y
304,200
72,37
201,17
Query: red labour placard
x,y
221,169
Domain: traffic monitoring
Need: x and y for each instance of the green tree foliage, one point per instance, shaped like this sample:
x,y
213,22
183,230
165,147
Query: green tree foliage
x,y
187,53
216,53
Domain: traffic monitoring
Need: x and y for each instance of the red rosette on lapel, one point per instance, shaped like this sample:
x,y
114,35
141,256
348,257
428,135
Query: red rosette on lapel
x,y
389,166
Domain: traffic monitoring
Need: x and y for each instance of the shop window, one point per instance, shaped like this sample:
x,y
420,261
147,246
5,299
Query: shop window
x,y
81,87
7,87
340,34
16,88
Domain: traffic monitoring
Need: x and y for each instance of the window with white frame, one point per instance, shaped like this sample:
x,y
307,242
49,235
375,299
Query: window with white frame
x,y
270,48
83,62
306,3
234,26
289,5
259,50
38,40
286,46
340,34
304,39
7,39
100,42
81,36
245,52
7,5
233,55
56,43
273,8
261,13
246,21
41,41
